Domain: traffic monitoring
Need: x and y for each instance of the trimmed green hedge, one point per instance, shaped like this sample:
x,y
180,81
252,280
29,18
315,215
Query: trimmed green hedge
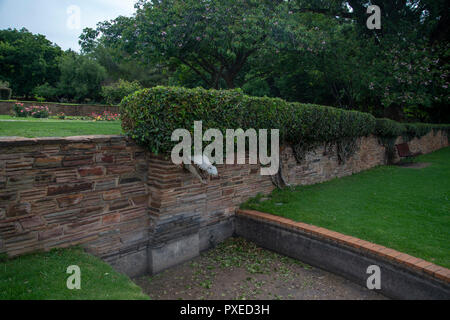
x,y
150,116
387,128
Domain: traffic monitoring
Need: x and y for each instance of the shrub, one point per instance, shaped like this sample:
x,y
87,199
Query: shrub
x,y
34,111
38,111
5,93
47,92
151,115
386,128
80,79
389,128
113,94
20,110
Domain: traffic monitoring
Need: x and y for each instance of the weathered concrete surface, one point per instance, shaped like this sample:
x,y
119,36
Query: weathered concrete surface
x,y
397,281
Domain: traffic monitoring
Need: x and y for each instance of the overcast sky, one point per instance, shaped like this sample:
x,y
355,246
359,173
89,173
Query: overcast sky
x,y
57,19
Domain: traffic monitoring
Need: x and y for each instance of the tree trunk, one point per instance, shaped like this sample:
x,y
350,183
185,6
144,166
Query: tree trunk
x,y
229,79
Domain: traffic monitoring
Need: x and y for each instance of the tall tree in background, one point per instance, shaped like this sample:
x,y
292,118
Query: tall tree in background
x,y
114,45
27,60
314,51
214,39
81,78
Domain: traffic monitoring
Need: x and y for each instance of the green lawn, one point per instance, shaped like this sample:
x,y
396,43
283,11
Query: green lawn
x,y
31,128
400,208
43,276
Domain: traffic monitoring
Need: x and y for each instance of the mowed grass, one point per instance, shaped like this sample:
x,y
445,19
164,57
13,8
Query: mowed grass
x,y
32,128
43,276
401,208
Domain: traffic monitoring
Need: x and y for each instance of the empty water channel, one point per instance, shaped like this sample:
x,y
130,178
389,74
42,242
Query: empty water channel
x,y
240,270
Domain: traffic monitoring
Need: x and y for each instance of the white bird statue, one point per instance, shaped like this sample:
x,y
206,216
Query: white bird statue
x,y
201,166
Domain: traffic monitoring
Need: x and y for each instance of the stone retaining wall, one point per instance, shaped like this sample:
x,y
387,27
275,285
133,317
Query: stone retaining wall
x,y
6,108
58,192
138,211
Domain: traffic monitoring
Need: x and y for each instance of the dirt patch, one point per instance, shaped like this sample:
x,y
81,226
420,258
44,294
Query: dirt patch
x,y
239,270
415,165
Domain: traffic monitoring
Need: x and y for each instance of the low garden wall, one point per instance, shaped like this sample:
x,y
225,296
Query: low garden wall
x,y
403,276
140,212
322,164
6,108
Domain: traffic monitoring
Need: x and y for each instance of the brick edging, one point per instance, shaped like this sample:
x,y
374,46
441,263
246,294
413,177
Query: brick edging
x,y
414,263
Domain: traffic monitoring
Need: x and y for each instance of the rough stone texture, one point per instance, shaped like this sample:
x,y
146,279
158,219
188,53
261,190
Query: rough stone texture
x,y
6,108
320,166
128,207
60,192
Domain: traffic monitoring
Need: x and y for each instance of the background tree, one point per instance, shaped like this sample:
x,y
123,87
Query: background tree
x,y
80,80
214,39
316,51
114,93
27,60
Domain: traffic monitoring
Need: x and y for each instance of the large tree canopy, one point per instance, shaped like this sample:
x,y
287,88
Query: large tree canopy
x,y
27,60
215,39
317,51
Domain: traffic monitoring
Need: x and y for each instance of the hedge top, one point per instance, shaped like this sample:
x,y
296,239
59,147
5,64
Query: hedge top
x,y
150,116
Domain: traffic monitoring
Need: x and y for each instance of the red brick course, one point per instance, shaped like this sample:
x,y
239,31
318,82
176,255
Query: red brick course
x,y
414,263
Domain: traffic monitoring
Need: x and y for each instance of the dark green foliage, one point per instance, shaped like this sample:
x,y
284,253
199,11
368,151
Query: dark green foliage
x,y
27,60
151,115
115,92
5,93
81,78
3,257
388,130
46,91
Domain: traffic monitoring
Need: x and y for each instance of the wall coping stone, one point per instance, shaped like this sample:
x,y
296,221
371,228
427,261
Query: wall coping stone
x,y
21,141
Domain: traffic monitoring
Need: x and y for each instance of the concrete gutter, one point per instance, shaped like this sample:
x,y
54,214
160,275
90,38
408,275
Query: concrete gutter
x,y
402,276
